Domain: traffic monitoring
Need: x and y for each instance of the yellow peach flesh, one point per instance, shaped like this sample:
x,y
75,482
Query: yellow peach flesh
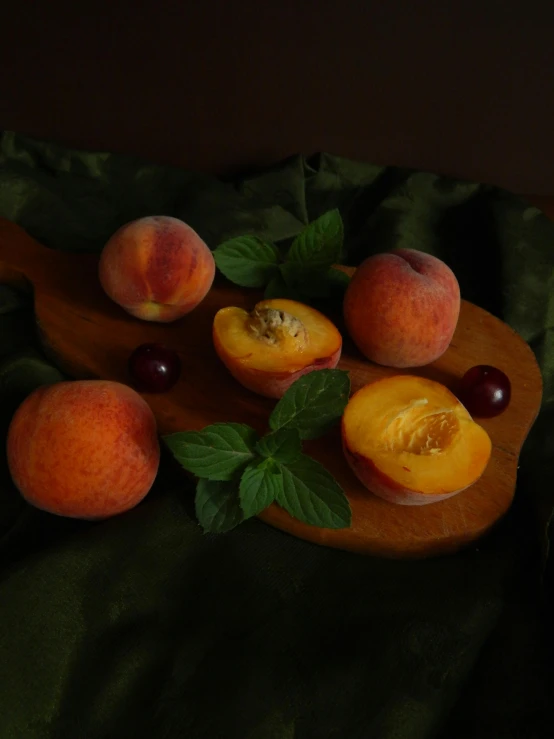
x,y
290,352
416,435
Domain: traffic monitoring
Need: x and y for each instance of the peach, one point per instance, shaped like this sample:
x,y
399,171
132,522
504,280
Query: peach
x,y
410,441
269,348
83,449
156,268
401,308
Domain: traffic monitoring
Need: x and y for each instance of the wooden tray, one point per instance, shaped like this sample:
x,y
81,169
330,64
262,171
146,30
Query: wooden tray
x,y
89,336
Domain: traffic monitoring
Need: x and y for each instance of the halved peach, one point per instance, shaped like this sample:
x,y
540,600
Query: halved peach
x,y
409,440
280,340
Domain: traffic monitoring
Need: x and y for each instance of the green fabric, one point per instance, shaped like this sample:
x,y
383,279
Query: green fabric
x,y
141,626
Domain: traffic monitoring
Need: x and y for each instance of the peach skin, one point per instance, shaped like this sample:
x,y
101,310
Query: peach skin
x,y
401,308
156,268
269,348
83,449
410,441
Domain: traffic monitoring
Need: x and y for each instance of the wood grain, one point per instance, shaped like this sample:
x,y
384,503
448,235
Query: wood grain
x,y
89,336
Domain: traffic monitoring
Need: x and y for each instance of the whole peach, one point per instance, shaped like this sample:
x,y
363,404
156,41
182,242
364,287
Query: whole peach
x,y
401,308
157,268
83,449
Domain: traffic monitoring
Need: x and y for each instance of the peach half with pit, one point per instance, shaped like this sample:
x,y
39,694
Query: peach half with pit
x,y
270,347
410,441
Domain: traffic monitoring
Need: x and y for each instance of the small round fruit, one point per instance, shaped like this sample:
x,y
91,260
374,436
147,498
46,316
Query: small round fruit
x,y
485,391
154,368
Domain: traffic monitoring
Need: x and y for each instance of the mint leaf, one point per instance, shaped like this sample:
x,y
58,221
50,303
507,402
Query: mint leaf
x,y
338,281
283,445
313,403
319,244
305,280
312,495
259,485
278,288
247,260
217,452
313,283
217,506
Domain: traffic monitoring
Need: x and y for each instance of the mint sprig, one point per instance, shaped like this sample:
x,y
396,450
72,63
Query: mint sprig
x,y
259,486
217,452
311,494
319,244
216,506
312,404
247,260
283,445
303,273
242,474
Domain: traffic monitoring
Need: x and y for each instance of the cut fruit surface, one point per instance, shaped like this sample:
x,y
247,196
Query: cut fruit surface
x,y
411,441
269,347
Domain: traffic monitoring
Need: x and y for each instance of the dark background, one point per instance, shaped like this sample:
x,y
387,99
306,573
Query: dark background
x,y
462,88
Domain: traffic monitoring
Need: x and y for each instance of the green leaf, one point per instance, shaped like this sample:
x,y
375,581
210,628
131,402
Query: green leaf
x,y
217,452
247,260
278,288
319,245
312,495
313,403
338,281
305,280
313,283
217,506
260,483
283,445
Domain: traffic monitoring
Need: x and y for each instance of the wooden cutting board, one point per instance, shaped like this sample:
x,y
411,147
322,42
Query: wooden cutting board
x,y
88,335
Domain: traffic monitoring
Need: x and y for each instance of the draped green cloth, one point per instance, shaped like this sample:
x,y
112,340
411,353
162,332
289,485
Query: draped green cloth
x,y
142,626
